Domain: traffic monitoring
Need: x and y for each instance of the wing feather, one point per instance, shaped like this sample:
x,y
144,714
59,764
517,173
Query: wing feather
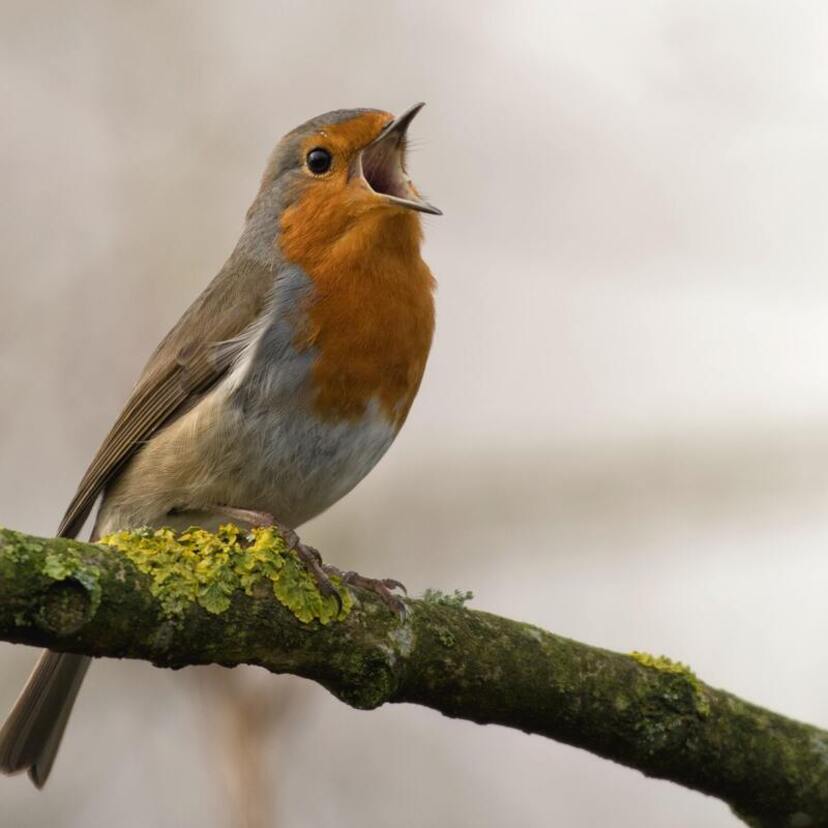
x,y
192,358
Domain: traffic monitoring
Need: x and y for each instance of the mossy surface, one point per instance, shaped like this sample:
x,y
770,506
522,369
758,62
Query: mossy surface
x,y
459,598
676,668
61,561
235,597
206,568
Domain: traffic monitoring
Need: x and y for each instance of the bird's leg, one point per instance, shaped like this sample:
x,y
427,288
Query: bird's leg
x,y
312,560
307,554
320,571
249,517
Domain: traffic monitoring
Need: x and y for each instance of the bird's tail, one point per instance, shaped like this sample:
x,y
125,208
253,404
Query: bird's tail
x,y
30,736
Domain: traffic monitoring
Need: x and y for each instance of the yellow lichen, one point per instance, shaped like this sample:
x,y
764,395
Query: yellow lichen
x,y
197,566
661,663
667,665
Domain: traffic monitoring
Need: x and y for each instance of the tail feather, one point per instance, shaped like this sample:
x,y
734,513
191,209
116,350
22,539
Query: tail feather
x,y
30,736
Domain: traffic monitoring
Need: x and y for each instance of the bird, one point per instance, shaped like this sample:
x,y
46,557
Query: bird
x,y
280,387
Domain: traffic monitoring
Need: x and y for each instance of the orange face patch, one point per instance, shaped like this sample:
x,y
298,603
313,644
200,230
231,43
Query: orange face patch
x,y
343,141
345,138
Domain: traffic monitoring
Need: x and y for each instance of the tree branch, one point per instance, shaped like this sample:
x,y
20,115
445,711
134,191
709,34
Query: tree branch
x,y
232,599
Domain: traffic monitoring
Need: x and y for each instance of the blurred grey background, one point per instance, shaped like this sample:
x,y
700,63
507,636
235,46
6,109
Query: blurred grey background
x,y
623,431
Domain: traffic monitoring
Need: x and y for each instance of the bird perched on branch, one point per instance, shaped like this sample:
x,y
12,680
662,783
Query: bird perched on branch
x,y
280,387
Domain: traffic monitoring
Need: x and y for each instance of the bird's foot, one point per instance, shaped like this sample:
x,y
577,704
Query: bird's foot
x,y
312,560
252,518
381,587
320,571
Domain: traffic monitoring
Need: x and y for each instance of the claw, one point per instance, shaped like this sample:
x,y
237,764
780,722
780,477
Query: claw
x,y
392,583
381,587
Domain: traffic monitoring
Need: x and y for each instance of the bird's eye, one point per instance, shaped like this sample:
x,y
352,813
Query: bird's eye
x,y
319,161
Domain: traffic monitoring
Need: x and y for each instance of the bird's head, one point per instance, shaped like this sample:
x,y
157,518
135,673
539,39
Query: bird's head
x,y
342,174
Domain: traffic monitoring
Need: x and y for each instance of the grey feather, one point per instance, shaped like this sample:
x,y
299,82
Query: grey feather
x,y
31,734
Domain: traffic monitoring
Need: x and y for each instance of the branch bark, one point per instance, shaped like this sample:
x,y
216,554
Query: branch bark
x,y
648,713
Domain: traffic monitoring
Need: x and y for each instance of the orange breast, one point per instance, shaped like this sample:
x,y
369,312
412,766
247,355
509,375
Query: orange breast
x,y
371,316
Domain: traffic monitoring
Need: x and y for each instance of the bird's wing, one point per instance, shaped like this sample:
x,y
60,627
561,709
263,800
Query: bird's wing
x,y
195,354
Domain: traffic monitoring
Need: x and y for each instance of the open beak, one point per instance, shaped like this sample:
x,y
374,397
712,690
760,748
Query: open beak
x,y
381,165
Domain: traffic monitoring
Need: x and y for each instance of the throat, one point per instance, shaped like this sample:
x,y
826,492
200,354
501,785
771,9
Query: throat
x,y
369,318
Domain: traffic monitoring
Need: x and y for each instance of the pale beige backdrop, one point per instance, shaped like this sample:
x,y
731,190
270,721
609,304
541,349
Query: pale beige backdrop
x,y
623,431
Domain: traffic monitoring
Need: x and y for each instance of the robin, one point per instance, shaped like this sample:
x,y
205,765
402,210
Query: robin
x,y
280,387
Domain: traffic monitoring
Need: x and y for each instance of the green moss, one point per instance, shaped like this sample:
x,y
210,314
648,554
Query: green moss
x,y
65,608
676,668
206,568
445,636
66,563
458,598
57,566
75,593
17,547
